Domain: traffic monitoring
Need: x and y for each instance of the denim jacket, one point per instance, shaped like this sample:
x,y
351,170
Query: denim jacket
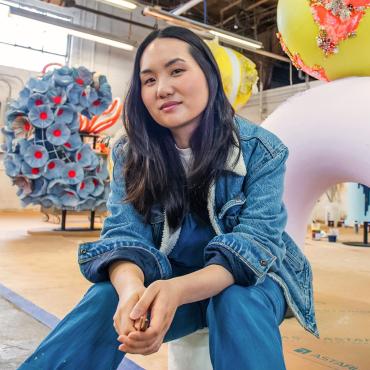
x,y
247,213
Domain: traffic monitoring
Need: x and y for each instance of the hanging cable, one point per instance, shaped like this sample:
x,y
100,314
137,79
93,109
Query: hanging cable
x,y
205,11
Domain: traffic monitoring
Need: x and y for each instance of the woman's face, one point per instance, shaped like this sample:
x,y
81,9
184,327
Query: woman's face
x,y
174,88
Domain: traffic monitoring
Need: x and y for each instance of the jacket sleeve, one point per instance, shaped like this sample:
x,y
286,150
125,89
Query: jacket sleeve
x,y
125,235
255,246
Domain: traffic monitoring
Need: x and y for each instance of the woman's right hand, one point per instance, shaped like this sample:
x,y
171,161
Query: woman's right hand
x,y
128,280
128,297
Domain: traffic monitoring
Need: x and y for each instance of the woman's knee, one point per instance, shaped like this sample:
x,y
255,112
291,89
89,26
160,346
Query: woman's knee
x,y
230,299
103,293
229,294
237,299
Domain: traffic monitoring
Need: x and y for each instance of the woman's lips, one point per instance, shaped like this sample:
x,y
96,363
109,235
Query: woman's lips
x,y
170,108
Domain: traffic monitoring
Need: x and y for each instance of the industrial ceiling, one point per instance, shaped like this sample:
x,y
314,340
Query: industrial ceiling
x,y
255,19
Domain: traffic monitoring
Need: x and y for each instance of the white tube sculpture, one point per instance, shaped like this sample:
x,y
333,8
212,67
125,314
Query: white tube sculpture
x,y
327,131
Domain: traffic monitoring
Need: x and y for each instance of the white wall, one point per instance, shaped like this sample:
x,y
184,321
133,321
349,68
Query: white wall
x,y
261,105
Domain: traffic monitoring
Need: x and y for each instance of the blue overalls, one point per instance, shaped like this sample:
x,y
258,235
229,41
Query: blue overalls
x,y
243,321
187,255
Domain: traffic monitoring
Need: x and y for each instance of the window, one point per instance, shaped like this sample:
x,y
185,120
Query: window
x,y
28,44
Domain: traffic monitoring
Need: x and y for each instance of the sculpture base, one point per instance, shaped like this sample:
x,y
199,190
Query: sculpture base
x,y
357,244
76,231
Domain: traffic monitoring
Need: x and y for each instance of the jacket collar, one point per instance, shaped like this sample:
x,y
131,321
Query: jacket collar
x,y
238,167
232,164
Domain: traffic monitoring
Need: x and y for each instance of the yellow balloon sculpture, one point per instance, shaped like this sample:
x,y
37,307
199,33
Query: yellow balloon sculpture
x,y
328,39
238,74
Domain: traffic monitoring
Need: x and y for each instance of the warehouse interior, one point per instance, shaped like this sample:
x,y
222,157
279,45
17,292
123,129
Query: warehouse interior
x,y
40,278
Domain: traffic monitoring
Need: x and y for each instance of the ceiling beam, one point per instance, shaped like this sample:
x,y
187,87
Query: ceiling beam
x,y
237,3
184,7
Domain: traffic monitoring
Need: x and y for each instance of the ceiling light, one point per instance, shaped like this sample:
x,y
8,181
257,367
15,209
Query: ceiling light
x,y
100,39
120,4
73,30
235,39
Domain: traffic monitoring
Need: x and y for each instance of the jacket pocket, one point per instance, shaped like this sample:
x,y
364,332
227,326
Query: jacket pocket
x,y
156,221
297,262
294,259
229,213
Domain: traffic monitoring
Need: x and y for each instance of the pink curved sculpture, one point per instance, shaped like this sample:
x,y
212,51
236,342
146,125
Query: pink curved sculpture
x,y
327,131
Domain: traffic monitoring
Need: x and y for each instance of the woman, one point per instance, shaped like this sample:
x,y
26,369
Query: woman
x,y
195,236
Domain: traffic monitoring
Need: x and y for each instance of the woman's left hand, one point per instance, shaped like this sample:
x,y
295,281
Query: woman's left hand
x,y
163,298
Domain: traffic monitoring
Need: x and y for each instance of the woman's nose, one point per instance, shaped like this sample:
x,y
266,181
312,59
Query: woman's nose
x,y
164,89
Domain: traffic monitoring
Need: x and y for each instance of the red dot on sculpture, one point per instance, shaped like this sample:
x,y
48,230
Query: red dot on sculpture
x,y
57,133
83,93
35,171
68,145
38,154
69,193
27,126
43,115
82,186
51,165
96,182
79,81
60,112
96,103
39,102
79,156
71,173
57,99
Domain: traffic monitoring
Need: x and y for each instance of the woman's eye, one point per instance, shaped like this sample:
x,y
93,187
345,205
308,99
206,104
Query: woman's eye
x,y
148,81
176,71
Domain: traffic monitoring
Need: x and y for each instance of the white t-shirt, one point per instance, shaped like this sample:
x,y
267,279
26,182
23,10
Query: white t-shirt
x,y
186,157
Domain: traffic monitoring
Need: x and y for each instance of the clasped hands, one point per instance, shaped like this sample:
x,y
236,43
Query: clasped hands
x,y
160,299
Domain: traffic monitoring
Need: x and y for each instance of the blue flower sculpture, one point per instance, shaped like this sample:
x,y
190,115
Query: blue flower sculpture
x,y
45,156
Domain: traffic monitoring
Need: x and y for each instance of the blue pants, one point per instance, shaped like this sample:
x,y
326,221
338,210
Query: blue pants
x,y
243,327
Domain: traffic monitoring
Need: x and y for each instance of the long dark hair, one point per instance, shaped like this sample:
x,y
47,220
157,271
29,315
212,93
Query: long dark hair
x,y
153,170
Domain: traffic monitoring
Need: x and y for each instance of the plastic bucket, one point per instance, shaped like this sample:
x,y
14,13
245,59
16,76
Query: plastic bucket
x,y
332,238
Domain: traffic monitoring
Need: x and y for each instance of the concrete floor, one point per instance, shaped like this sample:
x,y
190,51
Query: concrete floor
x,y
19,335
43,268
